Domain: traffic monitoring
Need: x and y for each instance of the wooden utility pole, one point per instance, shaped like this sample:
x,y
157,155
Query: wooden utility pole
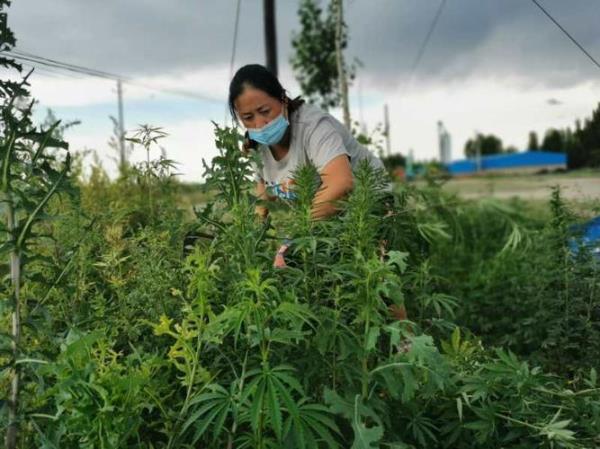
x,y
340,62
270,35
122,155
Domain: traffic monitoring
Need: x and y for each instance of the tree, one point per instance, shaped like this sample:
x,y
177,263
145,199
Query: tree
x,y
576,153
315,59
553,141
533,144
393,161
588,137
488,144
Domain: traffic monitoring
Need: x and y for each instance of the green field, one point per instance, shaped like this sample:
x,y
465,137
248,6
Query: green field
x,y
145,325
581,185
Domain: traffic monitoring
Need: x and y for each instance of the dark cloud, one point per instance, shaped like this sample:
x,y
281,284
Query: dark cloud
x,y
473,38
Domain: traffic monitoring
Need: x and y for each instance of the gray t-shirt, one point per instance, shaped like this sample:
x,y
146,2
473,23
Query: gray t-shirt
x,y
316,136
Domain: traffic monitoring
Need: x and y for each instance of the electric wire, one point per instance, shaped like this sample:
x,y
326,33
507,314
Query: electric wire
x,y
427,39
566,33
66,65
235,35
421,52
233,51
55,64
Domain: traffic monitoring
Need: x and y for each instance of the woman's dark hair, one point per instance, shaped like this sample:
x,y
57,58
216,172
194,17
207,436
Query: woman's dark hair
x,y
258,77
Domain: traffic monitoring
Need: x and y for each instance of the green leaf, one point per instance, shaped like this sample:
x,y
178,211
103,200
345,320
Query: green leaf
x,y
399,259
364,437
274,409
372,338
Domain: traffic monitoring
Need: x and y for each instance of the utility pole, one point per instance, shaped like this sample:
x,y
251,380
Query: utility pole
x,y
363,125
122,156
270,35
340,62
386,129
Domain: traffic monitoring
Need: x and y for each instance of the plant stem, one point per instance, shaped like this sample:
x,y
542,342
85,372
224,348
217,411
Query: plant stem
x,y
148,183
15,277
365,360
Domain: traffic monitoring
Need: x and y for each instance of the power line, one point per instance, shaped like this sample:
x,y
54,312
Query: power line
x,y
54,64
40,61
427,38
51,72
235,34
419,56
567,33
65,65
233,50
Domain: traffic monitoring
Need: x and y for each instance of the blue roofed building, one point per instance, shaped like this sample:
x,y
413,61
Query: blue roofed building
x,y
524,162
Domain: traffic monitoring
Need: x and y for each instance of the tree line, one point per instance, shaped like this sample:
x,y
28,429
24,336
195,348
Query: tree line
x,y
581,144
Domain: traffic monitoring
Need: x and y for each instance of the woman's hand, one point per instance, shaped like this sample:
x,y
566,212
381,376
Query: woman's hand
x,y
261,194
336,182
279,260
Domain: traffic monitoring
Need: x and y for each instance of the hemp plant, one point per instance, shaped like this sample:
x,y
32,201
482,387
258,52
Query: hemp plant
x,y
148,136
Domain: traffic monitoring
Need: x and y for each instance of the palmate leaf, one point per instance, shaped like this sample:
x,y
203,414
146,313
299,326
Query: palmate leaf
x,y
440,302
271,391
309,428
209,409
274,408
295,312
557,430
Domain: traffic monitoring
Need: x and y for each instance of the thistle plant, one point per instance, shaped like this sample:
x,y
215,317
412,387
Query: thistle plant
x,y
30,176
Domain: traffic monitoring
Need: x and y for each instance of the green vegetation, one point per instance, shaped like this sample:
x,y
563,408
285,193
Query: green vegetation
x,y
582,145
131,344
113,334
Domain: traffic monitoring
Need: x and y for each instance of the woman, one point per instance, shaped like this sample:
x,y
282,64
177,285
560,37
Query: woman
x,y
288,133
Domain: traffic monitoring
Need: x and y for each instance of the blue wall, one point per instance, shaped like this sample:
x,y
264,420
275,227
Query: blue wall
x,y
506,161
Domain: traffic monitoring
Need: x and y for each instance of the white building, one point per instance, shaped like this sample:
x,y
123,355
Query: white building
x,y
445,143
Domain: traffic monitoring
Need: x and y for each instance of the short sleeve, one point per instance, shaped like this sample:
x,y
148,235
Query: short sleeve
x,y
325,143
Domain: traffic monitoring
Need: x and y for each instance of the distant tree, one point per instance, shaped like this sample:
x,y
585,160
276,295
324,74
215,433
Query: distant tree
x,y
576,153
589,138
511,149
393,161
553,141
533,144
315,61
488,144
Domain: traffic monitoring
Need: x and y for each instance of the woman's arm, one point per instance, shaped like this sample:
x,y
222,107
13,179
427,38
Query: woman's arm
x,y
261,194
336,182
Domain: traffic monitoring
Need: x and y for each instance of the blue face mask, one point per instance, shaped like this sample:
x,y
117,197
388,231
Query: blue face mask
x,y
271,133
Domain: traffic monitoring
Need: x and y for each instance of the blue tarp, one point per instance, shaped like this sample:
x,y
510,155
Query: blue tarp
x,y
586,235
511,160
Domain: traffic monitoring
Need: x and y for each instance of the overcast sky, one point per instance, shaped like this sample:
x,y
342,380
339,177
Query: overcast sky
x,y
497,66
